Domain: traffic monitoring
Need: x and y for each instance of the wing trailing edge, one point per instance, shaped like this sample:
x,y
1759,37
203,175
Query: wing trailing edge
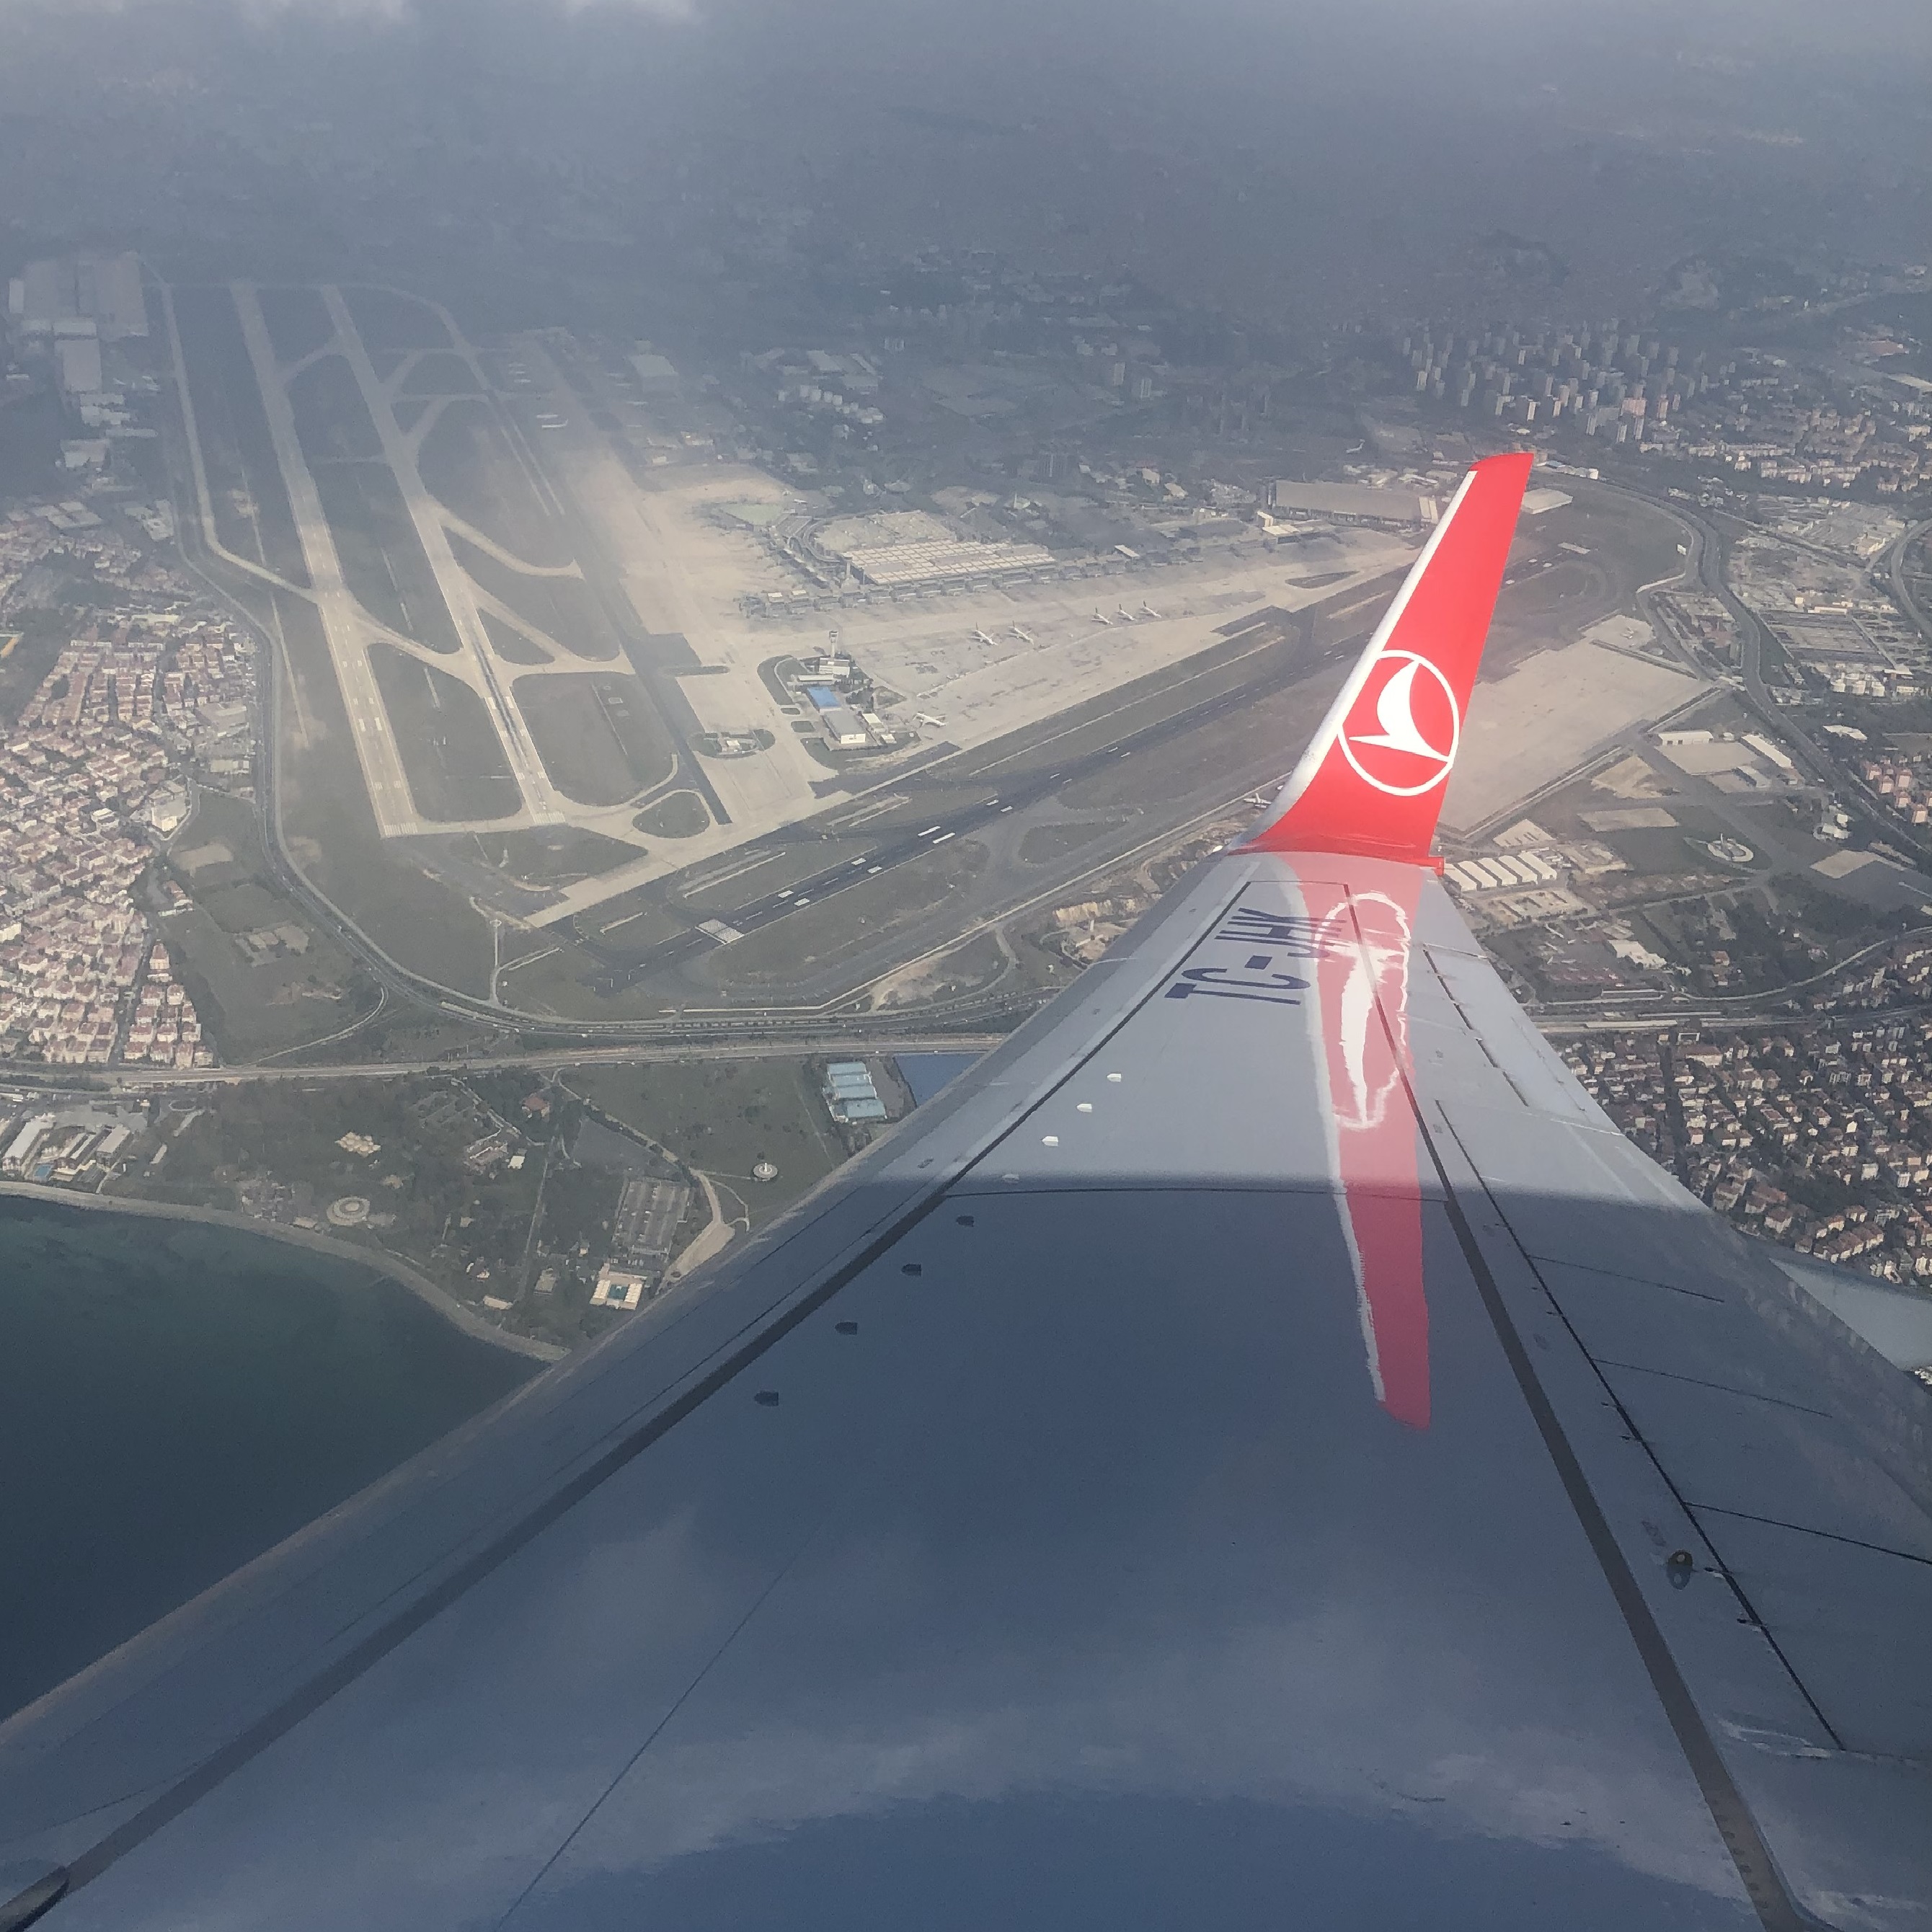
x,y
1371,784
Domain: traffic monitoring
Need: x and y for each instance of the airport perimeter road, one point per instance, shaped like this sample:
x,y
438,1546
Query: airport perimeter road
x,y
134,1080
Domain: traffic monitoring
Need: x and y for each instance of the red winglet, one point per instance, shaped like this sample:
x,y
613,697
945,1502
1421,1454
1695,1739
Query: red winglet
x,y
1371,782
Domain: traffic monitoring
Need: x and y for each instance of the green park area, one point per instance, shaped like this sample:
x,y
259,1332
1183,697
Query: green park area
x,y
455,1177
264,975
725,1117
502,1188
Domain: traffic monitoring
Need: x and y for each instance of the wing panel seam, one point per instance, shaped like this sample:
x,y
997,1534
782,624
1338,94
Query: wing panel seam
x,y
1763,1884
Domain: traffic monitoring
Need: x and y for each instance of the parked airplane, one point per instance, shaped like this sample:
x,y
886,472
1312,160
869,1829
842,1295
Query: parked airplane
x,y
1025,636
927,717
1148,611
982,637
1100,617
1262,1446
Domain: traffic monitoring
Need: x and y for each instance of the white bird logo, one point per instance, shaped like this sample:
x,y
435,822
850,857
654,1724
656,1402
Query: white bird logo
x,y
1395,712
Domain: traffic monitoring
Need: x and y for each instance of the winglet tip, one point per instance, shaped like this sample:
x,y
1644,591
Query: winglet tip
x,y
1372,783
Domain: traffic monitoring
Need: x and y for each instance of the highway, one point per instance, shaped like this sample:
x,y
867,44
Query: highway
x,y
802,1046
1707,558
1892,564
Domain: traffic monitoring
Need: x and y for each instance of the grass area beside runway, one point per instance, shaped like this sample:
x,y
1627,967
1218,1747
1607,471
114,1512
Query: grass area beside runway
x,y
294,983
1574,564
630,933
468,467
382,558
510,644
551,855
297,319
328,826
1045,844
390,323
558,984
725,1117
250,504
598,734
683,814
332,422
441,373
565,609
1283,720
824,931
454,760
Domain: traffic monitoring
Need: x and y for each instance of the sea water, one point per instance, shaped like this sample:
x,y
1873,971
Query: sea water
x,y
177,1396
929,1074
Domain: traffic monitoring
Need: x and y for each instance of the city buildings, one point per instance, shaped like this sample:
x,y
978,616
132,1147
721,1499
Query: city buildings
x,y
1814,1132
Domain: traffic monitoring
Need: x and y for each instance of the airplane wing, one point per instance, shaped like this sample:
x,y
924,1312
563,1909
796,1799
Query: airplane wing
x,y
1261,1449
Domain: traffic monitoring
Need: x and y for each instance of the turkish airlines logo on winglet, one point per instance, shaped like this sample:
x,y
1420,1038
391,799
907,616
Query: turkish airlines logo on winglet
x,y
1418,727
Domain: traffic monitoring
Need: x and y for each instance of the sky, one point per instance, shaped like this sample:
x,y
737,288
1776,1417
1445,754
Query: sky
x,y
1257,152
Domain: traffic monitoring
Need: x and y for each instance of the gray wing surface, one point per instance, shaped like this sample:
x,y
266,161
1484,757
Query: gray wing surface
x,y
1262,1448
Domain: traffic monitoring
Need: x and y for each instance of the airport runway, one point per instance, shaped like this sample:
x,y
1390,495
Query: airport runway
x,y
755,914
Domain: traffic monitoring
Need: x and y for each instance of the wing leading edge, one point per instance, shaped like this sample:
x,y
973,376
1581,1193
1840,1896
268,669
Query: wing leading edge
x,y
1263,1439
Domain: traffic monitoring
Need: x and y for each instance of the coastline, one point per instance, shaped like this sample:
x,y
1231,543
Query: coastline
x,y
375,1259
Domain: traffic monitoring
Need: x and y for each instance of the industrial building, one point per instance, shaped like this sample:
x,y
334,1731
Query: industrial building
x,y
656,375
79,365
850,1094
897,565
1350,503
618,1287
843,728
53,297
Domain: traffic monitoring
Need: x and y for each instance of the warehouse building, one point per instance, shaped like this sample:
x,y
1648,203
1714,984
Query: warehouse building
x,y
849,1095
1349,503
842,726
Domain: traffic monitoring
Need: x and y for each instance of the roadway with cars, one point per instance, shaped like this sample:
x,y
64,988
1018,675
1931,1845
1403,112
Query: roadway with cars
x,y
814,1046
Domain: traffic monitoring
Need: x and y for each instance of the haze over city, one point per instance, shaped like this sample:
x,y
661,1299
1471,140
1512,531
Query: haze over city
x,y
645,646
